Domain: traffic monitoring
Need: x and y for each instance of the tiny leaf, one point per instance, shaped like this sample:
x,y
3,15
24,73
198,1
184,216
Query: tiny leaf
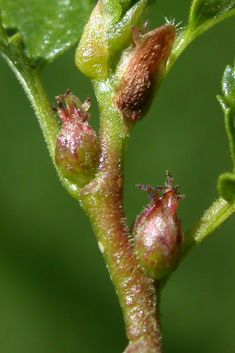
x,y
106,32
204,13
228,105
226,187
47,28
228,87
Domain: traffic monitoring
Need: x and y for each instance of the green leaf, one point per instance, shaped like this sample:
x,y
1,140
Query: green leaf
x,y
106,32
228,105
204,13
228,88
11,50
226,187
47,27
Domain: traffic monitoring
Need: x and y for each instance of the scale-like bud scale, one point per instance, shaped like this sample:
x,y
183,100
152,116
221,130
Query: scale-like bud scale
x,y
143,71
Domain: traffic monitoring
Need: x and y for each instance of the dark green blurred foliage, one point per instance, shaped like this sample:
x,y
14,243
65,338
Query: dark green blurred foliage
x,y
56,295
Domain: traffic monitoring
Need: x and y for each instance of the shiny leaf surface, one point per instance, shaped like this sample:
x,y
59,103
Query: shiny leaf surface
x,y
47,28
205,13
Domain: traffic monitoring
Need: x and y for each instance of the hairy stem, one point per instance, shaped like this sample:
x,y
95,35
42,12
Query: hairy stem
x,y
45,114
47,121
219,211
102,200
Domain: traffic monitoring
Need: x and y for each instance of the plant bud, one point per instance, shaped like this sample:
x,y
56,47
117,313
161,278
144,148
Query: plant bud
x,y
77,150
142,73
92,53
157,231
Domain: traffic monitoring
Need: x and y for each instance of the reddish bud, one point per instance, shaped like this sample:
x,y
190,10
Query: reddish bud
x,y
157,231
143,70
77,150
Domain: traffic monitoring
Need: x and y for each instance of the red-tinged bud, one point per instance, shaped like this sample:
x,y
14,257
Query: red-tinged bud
x,y
157,231
77,150
142,70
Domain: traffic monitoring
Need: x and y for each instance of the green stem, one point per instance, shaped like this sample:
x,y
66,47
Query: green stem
x,y
49,126
219,211
230,128
192,31
102,200
45,115
182,41
31,81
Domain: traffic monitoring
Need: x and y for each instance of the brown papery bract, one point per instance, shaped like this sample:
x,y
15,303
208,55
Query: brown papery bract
x,y
145,71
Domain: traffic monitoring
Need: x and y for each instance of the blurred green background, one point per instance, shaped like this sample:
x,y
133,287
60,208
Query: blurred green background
x,y
55,292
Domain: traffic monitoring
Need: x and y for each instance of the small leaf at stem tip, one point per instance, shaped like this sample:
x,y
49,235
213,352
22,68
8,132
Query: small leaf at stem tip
x,y
204,13
228,105
120,32
92,53
104,35
47,28
226,187
228,87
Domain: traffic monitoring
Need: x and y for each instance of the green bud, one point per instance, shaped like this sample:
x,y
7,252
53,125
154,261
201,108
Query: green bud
x,y
106,32
77,150
92,52
157,231
226,186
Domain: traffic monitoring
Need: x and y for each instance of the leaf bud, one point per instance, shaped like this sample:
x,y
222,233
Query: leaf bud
x,y
77,149
157,231
142,69
106,32
92,53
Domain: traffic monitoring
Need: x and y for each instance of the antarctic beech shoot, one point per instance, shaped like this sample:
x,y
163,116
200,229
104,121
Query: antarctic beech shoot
x,y
77,150
157,231
91,167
